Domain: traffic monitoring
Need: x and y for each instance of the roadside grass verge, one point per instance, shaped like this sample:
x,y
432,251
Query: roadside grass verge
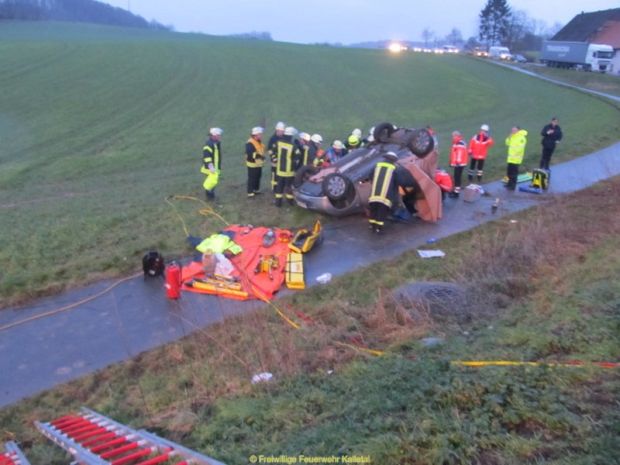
x,y
595,81
103,123
542,289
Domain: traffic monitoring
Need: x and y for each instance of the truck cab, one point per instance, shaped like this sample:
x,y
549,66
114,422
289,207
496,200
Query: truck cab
x,y
599,57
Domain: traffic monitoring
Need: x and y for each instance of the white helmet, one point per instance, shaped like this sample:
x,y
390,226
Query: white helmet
x,y
484,127
370,138
304,136
357,132
290,131
215,131
280,126
390,156
257,130
338,144
316,138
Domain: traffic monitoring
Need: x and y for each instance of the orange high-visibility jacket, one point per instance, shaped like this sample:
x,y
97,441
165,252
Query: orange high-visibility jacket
x,y
479,146
458,153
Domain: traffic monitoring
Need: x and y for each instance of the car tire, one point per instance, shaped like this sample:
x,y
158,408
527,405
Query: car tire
x,y
383,132
303,173
420,142
337,187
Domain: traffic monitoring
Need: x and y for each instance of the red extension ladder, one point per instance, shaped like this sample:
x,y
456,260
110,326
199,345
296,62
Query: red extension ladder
x,y
93,439
13,455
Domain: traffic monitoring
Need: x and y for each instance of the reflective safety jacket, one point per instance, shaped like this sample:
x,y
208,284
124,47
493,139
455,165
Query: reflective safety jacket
x,y
516,146
479,145
219,243
458,153
254,153
272,147
287,157
211,154
305,154
383,184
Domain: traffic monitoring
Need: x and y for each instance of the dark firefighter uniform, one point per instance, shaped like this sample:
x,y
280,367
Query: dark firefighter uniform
x,y
384,191
272,152
254,159
211,165
287,158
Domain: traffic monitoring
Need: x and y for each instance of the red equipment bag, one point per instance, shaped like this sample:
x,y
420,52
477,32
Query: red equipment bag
x,y
173,281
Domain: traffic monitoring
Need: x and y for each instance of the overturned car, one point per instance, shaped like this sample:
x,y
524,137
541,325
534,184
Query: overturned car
x,y
344,187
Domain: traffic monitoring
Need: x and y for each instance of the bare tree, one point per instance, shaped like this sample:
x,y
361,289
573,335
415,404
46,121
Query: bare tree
x,y
455,37
427,35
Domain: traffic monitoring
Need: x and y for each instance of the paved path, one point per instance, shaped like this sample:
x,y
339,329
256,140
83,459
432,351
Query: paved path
x,y
135,316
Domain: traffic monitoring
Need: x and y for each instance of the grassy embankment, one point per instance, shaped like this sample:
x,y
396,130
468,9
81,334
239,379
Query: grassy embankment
x,y
539,289
101,124
595,81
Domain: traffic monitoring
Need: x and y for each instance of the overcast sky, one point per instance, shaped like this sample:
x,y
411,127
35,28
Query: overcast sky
x,y
344,21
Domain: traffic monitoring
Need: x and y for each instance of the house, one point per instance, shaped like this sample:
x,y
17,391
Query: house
x,y
598,27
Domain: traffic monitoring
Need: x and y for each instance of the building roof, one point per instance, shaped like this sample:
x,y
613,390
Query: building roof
x,y
601,27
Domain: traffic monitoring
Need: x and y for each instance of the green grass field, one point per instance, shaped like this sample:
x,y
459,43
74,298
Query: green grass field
x,y
100,124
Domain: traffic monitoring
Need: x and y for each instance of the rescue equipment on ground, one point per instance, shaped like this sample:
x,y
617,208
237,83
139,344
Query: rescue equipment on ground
x,y
259,269
153,264
266,264
93,439
294,271
540,179
173,281
521,178
304,239
472,193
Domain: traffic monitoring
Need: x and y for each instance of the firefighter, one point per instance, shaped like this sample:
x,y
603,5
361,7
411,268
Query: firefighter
x,y
271,150
384,191
335,152
304,148
516,142
254,159
458,160
317,154
479,146
212,161
287,158
354,141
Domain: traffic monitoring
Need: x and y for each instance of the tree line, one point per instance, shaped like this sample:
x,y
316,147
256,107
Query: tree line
x,y
87,11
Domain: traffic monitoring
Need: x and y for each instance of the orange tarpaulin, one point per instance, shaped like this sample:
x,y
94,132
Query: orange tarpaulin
x,y
262,285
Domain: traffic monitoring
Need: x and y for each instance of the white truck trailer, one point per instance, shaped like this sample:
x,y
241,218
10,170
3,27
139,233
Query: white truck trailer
x,y
566,54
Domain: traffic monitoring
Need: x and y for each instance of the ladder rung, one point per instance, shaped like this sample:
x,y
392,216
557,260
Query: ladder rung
x,y
107,445
64,420
89,434
84,429
132,457
67,424
74,426
102,437
155,460
119,450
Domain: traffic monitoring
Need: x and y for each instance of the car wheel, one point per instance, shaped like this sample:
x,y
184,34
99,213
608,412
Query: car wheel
x,y
383,132
337,187
420,142
303,174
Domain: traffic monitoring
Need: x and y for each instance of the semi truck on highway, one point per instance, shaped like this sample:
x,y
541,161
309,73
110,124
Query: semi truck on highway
x,y
566,54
